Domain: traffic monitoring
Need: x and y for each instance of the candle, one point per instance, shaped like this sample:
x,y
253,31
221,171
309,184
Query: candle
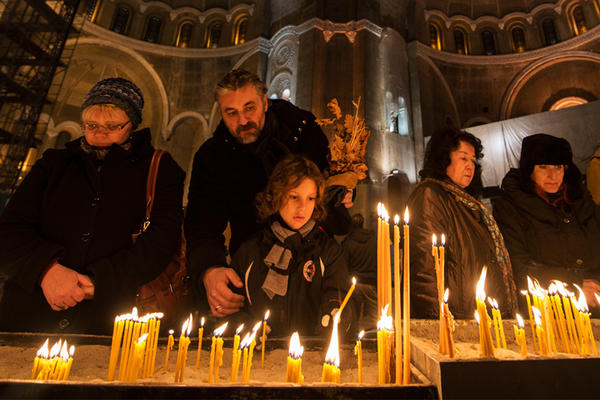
x,y
586,323
385,330
380,283
70,363
386,258
184,342
216,354
135,334
129,323
397,309
170,344
486,346
251,349
115,346
526,294
245,345
234,352
539,330
42,354
200,335
350,291
358,354
61,362
138,354
406,302
520,335
264,339
571,332
447,346
559,316
331,366
294,361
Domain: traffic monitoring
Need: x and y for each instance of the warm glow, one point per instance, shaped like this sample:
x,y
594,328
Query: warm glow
x,y
520,321
476,316
134,313
406,216
55,349
171,331
159,315
44,350
184,327
353,281
524,292
396,219
64,353
385,322
530,285
552,289
189,329
202,323
245,341
443,239
493,303
239,329
480,292
295,350
333,352
256,326
433,240
71,351
597,298
267,314
386,216
581,302
220,330
379,210
361,334
537,316
142,338
446,295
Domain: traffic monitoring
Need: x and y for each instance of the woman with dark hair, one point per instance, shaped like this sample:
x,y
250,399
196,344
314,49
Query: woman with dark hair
x,y
445,202
548,218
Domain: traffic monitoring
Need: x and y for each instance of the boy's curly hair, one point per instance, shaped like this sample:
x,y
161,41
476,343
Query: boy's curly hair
x,y
288,174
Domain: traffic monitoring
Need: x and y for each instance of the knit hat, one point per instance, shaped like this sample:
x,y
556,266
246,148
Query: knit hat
x,y
120,92
543,149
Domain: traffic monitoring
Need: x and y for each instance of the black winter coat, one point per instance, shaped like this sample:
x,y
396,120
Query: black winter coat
x,y
469,246
543,241
306,301
65,208
360,249
227,175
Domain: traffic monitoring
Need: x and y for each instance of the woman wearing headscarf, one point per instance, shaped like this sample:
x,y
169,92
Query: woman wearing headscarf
x,y
66,233
446,202
548,218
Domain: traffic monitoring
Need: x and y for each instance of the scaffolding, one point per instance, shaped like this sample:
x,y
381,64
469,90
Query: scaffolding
x,y
33,34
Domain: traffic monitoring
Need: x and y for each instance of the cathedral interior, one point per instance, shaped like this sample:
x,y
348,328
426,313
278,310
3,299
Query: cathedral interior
x,y
501,69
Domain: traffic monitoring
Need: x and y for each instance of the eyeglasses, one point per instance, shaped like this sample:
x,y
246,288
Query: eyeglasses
x,y
90,126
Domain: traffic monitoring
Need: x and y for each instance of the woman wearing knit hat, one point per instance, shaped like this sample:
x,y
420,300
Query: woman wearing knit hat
x,y
66,232
549,221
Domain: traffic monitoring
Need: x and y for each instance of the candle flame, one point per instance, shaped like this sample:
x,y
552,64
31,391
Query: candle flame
x,y
446,295
71,351
361,334
562,288
396,219
537,316
520,321
256,326
171,331
202,323
296,349
493,303
530,285
353,281
552,289
480,292
378,210
477,316
44,350
64,353
185,328
245,341
524,292
142,338
582,302
385,322
55,348
189,329
443,240
434,240
333,352
597,298
267,315
406,216
220,330
134,313
239,329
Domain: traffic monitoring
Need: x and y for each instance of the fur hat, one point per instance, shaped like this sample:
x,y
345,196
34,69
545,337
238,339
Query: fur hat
x,y
120,92
544,149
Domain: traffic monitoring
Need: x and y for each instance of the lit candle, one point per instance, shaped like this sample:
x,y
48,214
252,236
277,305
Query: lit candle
x,y
54,352
386,258
520,335
379,259
539,330
294,361
138,357
495,322
347,296
200,335
397,309
264,339
255,329
129,324
42,354
216,356
573,340
135,335
559,315
235,363
331,366
184,342
234,352
526,294
115,346
358,354
485,336
586,323
170,344
70,363
406,302
447,322
385,330
61,362
245,345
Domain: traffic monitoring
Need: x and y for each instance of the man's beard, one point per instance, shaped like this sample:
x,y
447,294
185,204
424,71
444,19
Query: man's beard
x,y
249,136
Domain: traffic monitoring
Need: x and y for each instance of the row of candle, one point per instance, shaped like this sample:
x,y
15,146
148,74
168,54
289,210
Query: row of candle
x,y
53,364
446,341
399,341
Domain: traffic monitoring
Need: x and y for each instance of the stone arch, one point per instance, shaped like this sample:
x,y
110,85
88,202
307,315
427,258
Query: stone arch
x,y
533,71
95,59
282,70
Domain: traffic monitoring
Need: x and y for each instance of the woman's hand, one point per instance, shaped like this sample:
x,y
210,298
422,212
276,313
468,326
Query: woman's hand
x,y
64,287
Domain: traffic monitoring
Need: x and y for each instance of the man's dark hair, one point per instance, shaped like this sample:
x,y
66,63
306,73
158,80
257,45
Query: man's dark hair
x,y
437,156
238,78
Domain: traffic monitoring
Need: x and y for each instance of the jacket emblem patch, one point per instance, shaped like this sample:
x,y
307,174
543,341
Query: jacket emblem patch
x,y
309,270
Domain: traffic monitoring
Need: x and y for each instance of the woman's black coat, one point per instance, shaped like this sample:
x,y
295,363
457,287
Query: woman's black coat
x,y
66,209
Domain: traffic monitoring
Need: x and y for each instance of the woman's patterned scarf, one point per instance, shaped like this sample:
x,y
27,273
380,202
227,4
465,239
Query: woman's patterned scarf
x,y
279,257
502,256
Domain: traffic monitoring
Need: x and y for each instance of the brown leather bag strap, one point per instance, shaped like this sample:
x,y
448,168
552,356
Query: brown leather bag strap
x,y
151,183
